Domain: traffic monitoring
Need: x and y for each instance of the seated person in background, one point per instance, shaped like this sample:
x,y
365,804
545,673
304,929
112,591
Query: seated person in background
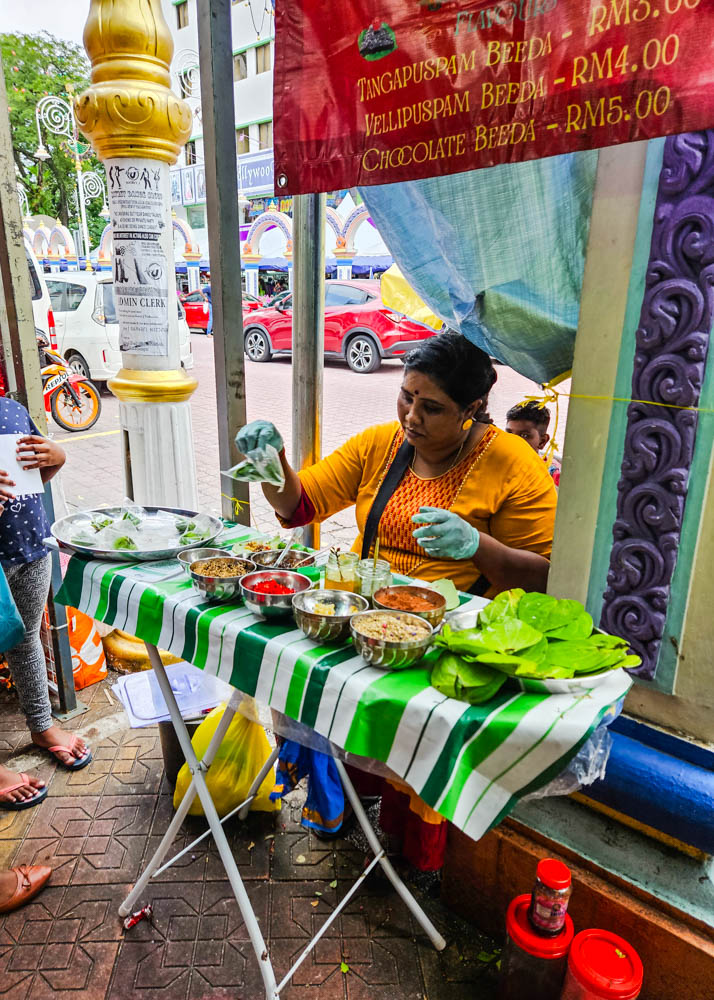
x,y
530,421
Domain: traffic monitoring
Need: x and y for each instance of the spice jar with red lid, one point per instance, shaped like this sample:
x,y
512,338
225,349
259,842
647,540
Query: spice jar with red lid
x,y
551,894
602,966
532,965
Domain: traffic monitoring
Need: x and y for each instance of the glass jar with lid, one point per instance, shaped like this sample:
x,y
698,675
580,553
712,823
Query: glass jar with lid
x,y
371,576
340,571
551,894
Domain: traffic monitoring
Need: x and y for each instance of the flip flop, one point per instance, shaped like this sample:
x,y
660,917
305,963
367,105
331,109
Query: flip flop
x,y
79,762
39,795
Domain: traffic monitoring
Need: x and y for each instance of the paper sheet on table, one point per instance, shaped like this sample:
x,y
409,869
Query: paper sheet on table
x,y
26,481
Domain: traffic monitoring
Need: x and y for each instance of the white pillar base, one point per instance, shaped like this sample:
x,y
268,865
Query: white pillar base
x,y
163,466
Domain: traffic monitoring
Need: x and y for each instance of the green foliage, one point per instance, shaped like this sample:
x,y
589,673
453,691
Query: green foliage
x,y
36,66
524,635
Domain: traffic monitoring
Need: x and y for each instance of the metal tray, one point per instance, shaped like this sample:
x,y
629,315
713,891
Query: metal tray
x,y
127,555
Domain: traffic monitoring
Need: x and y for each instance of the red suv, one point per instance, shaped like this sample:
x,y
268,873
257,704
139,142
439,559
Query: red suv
x,y
359,328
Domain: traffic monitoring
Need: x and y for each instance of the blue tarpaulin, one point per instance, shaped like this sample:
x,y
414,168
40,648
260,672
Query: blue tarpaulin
x,y
498,254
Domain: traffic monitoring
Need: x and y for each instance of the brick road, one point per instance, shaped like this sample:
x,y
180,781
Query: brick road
x,y
97,829
93,473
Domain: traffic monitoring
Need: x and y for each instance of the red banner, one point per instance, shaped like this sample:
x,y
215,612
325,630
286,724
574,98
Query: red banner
x,y
375,91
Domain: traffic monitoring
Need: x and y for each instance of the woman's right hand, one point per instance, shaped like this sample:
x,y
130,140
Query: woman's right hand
x,y
257,434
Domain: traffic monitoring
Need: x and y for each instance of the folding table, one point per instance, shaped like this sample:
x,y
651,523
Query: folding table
x,y
471,763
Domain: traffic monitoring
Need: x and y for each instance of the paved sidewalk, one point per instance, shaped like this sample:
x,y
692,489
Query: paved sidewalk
x,y
93,475
98,827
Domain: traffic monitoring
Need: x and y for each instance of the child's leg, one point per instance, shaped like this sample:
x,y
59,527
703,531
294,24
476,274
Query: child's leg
x,y
30,585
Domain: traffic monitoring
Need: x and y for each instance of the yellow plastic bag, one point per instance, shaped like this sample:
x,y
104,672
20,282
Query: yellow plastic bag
x,y
241,755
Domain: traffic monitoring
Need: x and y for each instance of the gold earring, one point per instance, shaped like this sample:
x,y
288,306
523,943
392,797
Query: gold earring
x,y
467,425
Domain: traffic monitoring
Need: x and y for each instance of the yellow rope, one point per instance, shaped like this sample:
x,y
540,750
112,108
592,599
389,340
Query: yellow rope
x,y
238,505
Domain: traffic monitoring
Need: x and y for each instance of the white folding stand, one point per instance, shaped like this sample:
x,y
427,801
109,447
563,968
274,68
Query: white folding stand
x,y
198,769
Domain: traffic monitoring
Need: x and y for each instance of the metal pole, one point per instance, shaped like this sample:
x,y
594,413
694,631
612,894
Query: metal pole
x,y
223,223
22,358
309,214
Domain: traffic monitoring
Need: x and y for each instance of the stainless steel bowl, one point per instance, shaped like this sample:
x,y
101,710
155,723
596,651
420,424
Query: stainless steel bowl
x,y
390,653
272,605
220,588
189,556
327,628
270,557
433,616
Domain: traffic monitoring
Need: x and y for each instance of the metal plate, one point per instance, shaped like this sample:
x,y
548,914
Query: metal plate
x,y
61,527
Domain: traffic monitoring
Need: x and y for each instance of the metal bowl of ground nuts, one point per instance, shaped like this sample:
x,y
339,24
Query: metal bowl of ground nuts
x,y
218,578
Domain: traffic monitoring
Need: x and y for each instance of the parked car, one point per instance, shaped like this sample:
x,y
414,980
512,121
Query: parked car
x,y
359,328
42,310
196,306
88,326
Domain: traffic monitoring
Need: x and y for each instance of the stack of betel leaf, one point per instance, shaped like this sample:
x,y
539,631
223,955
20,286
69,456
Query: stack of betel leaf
x,y
521,635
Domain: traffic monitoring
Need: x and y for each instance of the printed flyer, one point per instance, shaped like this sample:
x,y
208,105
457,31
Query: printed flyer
x,y
420,88
142,250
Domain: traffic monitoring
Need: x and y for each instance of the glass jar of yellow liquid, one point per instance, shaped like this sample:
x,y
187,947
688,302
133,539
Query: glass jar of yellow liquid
x,y
340,571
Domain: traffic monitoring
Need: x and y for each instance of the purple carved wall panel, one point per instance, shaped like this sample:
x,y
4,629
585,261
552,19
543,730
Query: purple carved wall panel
x,y
670,358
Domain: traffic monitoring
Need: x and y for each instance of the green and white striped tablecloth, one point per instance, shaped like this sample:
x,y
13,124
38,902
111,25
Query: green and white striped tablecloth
x,y
471,763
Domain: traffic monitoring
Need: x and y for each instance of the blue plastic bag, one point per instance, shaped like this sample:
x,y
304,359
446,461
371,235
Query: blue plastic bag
x,y
12,628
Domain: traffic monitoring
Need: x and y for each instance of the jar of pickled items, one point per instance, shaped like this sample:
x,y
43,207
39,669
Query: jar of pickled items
x,y
602,966
340,571
550,897
371,576
532,966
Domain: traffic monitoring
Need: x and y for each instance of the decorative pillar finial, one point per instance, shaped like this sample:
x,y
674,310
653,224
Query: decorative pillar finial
x,y
129,110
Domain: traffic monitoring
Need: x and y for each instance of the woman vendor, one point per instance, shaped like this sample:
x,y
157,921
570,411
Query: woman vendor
x,y
447,493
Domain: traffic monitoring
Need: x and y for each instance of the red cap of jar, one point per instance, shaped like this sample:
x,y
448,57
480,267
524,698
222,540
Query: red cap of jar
x,y
606,965
553,873
520,930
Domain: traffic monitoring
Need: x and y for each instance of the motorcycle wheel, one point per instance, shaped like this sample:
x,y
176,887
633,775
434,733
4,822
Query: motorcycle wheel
x,y
71,417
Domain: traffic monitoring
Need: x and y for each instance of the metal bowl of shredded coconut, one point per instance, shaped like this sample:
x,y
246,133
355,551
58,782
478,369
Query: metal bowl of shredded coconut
x,y
391,639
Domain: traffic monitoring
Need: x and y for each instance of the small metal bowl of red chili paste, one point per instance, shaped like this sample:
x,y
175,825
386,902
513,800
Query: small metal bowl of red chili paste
x,y
269,592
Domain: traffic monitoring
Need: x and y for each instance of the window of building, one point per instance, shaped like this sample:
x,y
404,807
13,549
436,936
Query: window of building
x,y
196,216
242,141
190,152
265,135
262,58
240,66
182,14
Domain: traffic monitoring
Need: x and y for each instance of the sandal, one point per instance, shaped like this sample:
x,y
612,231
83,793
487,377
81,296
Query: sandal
x,y
79,762
40,794
30,880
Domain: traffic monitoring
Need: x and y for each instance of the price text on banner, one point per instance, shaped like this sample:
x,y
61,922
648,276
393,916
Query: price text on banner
x,y
371,93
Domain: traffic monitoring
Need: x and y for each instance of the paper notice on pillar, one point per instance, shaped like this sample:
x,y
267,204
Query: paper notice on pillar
x,y
139,200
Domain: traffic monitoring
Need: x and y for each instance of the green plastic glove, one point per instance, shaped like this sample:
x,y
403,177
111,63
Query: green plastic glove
x,y
445,535
256,435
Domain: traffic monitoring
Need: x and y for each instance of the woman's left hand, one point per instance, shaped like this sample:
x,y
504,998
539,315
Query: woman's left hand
x,y
36,452
445,535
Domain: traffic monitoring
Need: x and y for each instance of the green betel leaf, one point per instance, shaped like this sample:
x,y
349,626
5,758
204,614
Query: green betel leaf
x,y
535,609
564,612
579,628
465,681
448,591
501,607
510,636
467,642
580,657
507,664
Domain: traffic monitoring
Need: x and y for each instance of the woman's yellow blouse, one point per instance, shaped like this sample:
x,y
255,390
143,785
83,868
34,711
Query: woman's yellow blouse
x,y
507,493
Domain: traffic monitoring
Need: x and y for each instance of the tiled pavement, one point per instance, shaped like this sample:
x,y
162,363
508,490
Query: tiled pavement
x,y
98,826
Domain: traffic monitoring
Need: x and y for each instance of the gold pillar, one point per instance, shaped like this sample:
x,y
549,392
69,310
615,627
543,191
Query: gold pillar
x,y
129,111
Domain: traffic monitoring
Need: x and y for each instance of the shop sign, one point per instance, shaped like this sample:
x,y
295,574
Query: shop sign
x,y
255,172
420,88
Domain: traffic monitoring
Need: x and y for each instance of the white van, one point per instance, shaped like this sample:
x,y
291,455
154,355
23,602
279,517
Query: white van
x,y
88,327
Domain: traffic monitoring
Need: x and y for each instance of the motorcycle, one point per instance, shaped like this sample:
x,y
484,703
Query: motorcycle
x,y
70,397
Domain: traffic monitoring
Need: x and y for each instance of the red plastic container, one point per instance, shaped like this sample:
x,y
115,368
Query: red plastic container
x,y
602,966
532,966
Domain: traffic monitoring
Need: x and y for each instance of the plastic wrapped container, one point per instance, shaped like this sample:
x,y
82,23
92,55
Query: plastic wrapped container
x,y
602,966
532,966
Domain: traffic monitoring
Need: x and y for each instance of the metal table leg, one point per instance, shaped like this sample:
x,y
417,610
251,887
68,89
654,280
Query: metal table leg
x,y
198,769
